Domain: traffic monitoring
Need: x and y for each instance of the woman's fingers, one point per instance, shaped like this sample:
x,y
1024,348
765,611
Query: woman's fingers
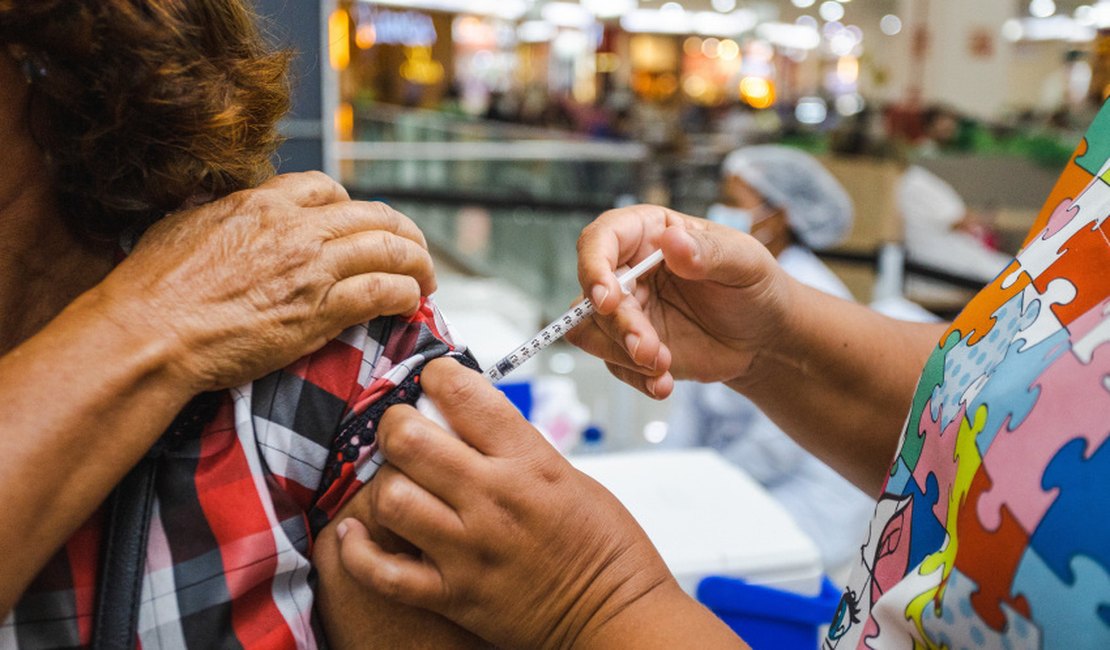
x,y
625,337
374,251
307,189
717,254
631,326
412,512
350,217
365,297
398,576
622,236
657,387
423,450
591,339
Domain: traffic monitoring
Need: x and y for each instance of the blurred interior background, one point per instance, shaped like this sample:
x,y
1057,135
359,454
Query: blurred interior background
x,y
502,127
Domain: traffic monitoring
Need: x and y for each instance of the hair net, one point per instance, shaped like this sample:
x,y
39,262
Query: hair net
x,y
817,207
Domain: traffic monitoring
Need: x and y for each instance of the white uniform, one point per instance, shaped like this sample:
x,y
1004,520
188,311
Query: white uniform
x,y
930,207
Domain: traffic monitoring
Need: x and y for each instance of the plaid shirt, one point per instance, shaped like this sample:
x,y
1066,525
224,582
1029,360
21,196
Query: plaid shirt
x,y
238,503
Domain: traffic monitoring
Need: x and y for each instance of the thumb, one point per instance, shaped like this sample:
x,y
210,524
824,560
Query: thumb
x,y
716,253
477,412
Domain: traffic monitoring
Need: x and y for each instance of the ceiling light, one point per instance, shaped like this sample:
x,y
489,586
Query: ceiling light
x,y
890,24
831,10
1042,8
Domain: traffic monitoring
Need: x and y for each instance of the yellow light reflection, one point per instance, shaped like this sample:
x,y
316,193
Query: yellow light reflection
x,y
608,62
664,85
339,39
420,68
695,86
692,45
757,92
366,36
728,49
345,121
709,47
847,69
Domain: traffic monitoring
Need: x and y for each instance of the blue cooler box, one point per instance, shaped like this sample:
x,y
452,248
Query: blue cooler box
x,y
767,618
520,394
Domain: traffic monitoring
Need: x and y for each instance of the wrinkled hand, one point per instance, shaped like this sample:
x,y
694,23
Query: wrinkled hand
x,y
251,282
719,300
517,545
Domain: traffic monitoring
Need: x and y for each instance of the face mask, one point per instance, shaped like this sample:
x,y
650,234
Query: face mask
x,y
726,215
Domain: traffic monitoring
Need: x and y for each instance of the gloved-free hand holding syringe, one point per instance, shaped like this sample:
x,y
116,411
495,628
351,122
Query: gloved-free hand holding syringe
x,y
548,335
565,323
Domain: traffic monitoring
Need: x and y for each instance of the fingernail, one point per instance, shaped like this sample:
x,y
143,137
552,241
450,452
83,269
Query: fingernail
x,y
694,248
341,529
632,343
598,294
655,361
650,384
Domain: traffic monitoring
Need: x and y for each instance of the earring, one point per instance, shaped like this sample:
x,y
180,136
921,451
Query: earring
x,y
33,67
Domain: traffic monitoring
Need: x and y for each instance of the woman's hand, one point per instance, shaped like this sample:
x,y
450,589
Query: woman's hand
x,y
251,282
211,297
719,300
355,616
834,375
518,546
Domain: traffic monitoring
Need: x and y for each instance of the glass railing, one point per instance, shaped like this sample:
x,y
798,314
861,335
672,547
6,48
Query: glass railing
x,y
400,152
534,249
499,199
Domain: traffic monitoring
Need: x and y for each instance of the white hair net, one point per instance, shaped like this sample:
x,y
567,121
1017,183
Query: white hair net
x,y
817,207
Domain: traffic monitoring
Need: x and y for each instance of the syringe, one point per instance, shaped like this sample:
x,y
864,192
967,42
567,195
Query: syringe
x,y
565,323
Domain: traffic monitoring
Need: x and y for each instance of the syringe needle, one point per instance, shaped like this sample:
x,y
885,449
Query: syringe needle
x,y
565,323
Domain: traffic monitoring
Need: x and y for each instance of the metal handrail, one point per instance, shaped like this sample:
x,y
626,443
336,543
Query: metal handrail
x,y
465,125
450,197
550,150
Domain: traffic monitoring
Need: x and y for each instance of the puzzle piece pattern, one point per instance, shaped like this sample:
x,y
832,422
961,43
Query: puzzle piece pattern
x,y
994,529
1069,614
1073,402
964,364
959,626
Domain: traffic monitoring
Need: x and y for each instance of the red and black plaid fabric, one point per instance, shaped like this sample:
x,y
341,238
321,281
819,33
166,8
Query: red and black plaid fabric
x,y
237,505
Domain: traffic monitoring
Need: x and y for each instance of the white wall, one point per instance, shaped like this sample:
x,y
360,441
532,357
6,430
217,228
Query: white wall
x,y
978,85
1037,75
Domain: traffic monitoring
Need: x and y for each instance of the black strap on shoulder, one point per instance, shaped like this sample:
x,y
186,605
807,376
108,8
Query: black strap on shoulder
x,y
124,554
127,530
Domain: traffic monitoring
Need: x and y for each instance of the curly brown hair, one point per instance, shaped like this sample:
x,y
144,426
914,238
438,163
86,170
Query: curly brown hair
x,y
142,105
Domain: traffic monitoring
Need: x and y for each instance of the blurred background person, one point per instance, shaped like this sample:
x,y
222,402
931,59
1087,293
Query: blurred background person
x,y
793,206
941,232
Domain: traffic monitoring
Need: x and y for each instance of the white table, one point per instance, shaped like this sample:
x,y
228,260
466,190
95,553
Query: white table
x,y
708,517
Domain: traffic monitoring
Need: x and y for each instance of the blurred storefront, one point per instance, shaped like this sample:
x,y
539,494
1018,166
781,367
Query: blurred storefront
x,y
508,62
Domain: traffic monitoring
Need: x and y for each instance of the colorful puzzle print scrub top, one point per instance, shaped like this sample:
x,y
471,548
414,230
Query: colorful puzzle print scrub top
x,y
993,527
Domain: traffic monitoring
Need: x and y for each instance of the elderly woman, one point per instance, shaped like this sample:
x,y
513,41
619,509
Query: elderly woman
x,y
122,298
